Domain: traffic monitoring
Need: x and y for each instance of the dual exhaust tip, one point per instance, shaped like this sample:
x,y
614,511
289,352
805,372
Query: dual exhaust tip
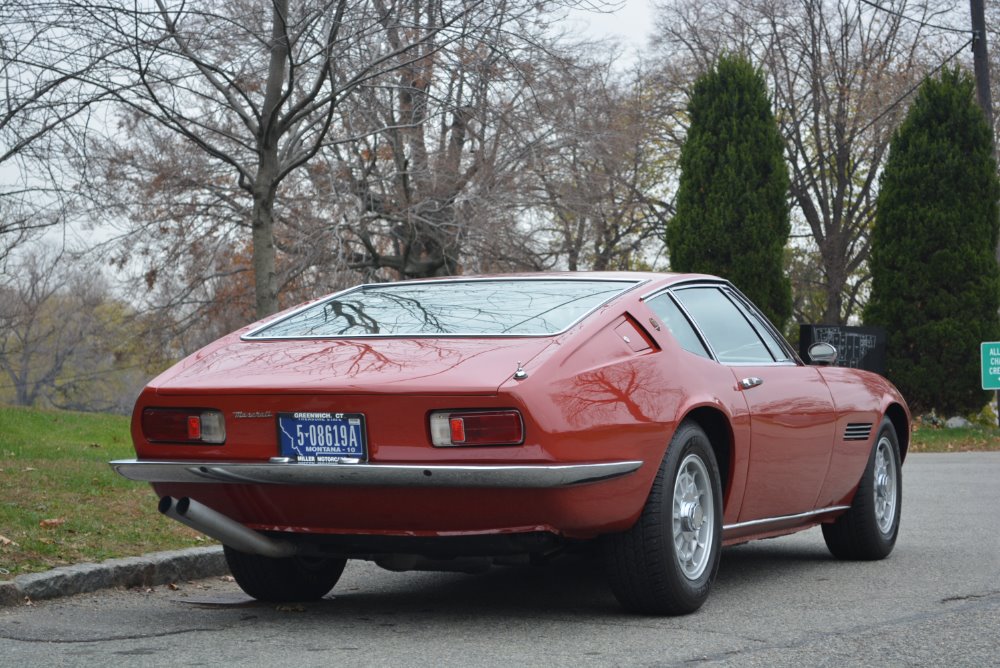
x,y
227,531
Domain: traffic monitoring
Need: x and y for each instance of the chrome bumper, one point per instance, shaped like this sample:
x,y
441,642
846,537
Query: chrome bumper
x,y
373,475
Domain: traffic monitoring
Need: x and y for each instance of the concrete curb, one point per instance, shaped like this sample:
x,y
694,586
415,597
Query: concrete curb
x,y
145,571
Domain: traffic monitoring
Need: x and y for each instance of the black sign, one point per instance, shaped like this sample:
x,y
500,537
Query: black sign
x,y
857,347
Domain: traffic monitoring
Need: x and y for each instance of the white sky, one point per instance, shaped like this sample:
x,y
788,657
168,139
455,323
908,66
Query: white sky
x,y
630,25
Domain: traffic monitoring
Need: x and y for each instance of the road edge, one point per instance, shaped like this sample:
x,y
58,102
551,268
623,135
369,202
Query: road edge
x,y
149,570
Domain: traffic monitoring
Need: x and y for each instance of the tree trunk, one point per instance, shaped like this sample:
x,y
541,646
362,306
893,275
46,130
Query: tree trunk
x,y
263,262
834,305
266,183
836,277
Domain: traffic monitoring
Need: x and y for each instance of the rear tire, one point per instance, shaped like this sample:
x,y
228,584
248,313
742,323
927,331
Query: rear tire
x,y
285,579
665,564
869,529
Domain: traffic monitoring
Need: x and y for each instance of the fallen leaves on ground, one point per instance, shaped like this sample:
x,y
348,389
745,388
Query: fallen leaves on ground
x,y
50,523
4,542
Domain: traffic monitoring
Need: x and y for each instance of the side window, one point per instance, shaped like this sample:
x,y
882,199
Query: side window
x,y
678,324
724,325
773,345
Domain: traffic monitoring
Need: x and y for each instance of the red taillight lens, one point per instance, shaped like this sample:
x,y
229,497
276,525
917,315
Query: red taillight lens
x,y
457,425
183,425
476,428
194,427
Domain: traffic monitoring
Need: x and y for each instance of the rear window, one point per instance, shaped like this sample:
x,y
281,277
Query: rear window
x,y
523,307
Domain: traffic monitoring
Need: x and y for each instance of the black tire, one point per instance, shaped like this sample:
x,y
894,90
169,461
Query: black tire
x,y
287,579
649,573
869,529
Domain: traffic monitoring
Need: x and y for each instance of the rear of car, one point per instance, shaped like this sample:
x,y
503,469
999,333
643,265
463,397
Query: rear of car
x,y
401,419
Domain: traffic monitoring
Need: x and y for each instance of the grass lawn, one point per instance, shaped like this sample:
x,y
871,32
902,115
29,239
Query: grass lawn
x,y
60,502
939,439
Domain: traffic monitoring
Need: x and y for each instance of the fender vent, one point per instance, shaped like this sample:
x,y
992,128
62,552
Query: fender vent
x,y
858,431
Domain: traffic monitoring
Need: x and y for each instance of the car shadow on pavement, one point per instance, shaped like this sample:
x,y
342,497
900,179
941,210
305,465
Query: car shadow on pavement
x,y
569,585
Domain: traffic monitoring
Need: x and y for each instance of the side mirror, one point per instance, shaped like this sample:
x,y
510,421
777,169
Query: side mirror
x,y
822,353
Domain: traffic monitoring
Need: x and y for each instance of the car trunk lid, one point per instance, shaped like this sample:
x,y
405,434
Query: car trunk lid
x,y
356,366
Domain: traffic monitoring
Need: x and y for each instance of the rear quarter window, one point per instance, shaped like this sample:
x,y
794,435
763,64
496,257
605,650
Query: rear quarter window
x,y
678,324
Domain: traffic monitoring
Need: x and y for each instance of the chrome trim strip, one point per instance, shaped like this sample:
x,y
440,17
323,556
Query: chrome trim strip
x,y
783,518
708,280
788,362
252,335
538,476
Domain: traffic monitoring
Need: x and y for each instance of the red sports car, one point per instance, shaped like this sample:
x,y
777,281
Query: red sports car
x,y
450,424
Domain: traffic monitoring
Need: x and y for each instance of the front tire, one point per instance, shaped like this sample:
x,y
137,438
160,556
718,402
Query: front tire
x,y
869,529
286,579
665,564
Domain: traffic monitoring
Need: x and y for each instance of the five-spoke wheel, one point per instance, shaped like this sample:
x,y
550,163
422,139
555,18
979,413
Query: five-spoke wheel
x,y
694,517
869,529
666,562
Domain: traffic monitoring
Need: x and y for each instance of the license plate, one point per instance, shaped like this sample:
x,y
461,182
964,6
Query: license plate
x,y
322,437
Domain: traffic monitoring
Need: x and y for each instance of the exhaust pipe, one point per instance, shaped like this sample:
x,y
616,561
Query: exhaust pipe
x,y
201,518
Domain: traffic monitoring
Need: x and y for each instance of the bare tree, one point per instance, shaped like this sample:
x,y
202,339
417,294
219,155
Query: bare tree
x,y
44,67
601,174
261,88
840,71
50,322
438,168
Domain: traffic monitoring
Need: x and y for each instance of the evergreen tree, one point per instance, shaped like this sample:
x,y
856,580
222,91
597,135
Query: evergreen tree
x,y
935,280
732,208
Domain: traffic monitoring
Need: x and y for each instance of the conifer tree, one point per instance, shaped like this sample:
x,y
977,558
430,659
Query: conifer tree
x,y
935,280
732,208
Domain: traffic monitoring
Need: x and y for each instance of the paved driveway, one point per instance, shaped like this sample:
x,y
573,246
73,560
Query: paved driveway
x,y
935,601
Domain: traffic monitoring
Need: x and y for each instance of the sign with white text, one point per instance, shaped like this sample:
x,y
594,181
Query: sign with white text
x,y
991,365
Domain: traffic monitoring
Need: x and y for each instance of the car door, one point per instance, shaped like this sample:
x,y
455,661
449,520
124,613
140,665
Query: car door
x,y
792,415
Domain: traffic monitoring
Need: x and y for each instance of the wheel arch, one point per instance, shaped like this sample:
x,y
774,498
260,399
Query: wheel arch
x,y
716,426
897,415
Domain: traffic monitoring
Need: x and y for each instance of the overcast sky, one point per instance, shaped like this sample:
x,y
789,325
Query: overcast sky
x,y
630,25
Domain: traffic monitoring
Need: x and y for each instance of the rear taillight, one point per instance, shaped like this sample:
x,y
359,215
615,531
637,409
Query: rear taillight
x,y
183,425
450,428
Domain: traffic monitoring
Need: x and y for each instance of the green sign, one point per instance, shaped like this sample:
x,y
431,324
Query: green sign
x,y
991,365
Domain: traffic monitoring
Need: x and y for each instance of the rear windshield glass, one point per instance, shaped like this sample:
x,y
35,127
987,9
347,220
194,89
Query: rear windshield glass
x,y
483,307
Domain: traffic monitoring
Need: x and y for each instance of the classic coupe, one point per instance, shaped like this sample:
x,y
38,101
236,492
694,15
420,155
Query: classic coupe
x,y
457,423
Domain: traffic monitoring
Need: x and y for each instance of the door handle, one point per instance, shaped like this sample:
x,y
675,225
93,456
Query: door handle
x,y
750,383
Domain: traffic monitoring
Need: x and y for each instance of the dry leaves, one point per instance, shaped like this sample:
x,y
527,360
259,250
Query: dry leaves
x,y
50,523
4,542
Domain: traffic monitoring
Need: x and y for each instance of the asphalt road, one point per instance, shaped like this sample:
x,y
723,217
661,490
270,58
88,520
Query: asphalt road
x,y
935,601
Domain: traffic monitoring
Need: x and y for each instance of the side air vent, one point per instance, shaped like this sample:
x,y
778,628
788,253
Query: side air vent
x,y
858,431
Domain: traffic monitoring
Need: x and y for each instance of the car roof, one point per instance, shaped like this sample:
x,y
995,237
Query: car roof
x,y
662,278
